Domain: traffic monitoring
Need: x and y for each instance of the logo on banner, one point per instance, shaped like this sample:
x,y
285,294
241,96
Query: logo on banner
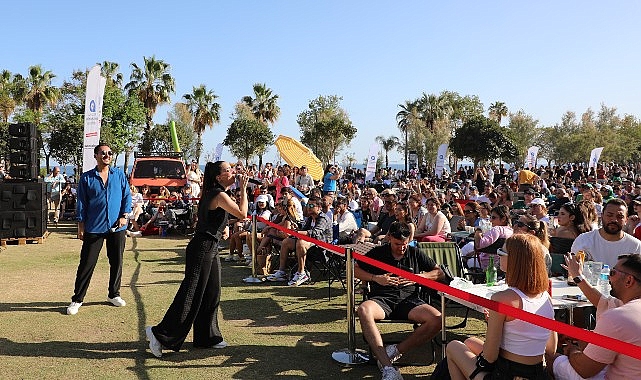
x,y
92,106
372,157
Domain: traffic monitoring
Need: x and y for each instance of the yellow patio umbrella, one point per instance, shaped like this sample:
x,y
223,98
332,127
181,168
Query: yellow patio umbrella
x,y
297,154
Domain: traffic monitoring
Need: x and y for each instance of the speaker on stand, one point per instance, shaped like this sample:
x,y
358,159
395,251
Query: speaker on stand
x,y
23,200
23,208
23,152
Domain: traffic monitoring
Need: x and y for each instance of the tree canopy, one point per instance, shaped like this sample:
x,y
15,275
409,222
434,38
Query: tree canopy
x,y
325,127
481,139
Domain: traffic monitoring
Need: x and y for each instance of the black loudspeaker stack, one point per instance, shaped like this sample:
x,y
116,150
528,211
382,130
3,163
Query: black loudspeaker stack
x,y
23,152
23,209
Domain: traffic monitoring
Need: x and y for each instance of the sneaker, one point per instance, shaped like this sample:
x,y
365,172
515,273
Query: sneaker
x,y
231,257
222,344
279,275
391,373
117,301
299,278
393,353
154,345
73,307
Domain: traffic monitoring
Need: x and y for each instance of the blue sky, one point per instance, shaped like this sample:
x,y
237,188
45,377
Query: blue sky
x,y
544,57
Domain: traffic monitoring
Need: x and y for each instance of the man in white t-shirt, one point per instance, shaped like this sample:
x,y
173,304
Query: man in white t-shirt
x,y
609,241
617,317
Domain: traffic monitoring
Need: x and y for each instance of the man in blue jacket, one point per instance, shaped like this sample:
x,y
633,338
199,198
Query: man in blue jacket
x,y
103,203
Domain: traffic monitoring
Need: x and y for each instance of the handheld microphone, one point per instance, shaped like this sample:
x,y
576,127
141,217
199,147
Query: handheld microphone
x,y
251,180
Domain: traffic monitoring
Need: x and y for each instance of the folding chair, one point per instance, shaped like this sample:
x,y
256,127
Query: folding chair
x,y
447,253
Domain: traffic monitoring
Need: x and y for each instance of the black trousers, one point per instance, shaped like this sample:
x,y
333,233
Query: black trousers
x,y
197,300
91,246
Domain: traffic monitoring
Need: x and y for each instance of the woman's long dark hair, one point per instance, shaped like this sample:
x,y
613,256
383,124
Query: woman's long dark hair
x,y
212,170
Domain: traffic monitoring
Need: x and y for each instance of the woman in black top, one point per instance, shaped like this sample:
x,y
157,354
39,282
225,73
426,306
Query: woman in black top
x,y
197,300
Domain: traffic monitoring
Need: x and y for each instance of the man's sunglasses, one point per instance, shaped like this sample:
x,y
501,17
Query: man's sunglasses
x,y
106,153
614,271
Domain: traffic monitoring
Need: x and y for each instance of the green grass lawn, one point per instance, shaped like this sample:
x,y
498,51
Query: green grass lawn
x,y
274,331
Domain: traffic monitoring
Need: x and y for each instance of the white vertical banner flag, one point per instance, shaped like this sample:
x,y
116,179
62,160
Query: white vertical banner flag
x,y
218,153
532,155
595,155
440,159
371,162
93,116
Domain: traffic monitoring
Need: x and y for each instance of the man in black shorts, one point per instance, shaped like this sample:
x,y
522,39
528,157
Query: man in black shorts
x,y
395,297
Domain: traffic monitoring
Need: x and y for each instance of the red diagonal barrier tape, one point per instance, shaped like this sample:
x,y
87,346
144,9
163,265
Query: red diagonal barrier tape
x,y
550,324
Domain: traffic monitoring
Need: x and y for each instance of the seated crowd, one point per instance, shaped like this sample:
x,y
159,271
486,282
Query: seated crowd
x,y
535,217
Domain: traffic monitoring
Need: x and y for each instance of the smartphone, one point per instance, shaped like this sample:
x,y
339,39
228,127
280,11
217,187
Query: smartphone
x,y
578,297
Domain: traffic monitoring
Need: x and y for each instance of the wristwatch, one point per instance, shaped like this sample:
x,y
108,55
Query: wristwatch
x,y
577,279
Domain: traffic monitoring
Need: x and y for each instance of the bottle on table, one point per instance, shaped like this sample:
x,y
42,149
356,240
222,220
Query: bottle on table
x,y
604,280
490,273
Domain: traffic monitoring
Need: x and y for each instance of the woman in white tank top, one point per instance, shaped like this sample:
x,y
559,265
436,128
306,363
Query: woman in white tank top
x,y
513,348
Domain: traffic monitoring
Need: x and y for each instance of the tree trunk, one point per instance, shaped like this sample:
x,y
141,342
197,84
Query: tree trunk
x,y
126,165
199,146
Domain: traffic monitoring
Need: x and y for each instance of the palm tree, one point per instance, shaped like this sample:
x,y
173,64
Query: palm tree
x,y
152,84
406,119
7,101
433,108
39,91
388,143
264,107
109,70
497,110
204,110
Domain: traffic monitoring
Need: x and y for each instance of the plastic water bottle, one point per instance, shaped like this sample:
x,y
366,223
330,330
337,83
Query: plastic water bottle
x,y
587,273
490,273
604,280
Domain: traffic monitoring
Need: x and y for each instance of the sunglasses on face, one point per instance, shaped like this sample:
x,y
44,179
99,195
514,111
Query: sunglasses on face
x,y
311,205
106,153
614,271
468,211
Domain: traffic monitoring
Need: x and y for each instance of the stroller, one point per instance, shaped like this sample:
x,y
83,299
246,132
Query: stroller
x,y
184,219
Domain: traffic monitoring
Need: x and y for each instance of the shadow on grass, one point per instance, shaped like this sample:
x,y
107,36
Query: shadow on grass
x,y
265,312
48,307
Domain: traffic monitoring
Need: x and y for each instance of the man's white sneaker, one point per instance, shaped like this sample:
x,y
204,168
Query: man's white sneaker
x,y
279,275
222,344
391,373
117,301
73,307
299,278
154,345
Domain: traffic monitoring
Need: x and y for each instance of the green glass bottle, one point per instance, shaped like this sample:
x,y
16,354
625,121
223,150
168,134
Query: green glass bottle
x,y
490,273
